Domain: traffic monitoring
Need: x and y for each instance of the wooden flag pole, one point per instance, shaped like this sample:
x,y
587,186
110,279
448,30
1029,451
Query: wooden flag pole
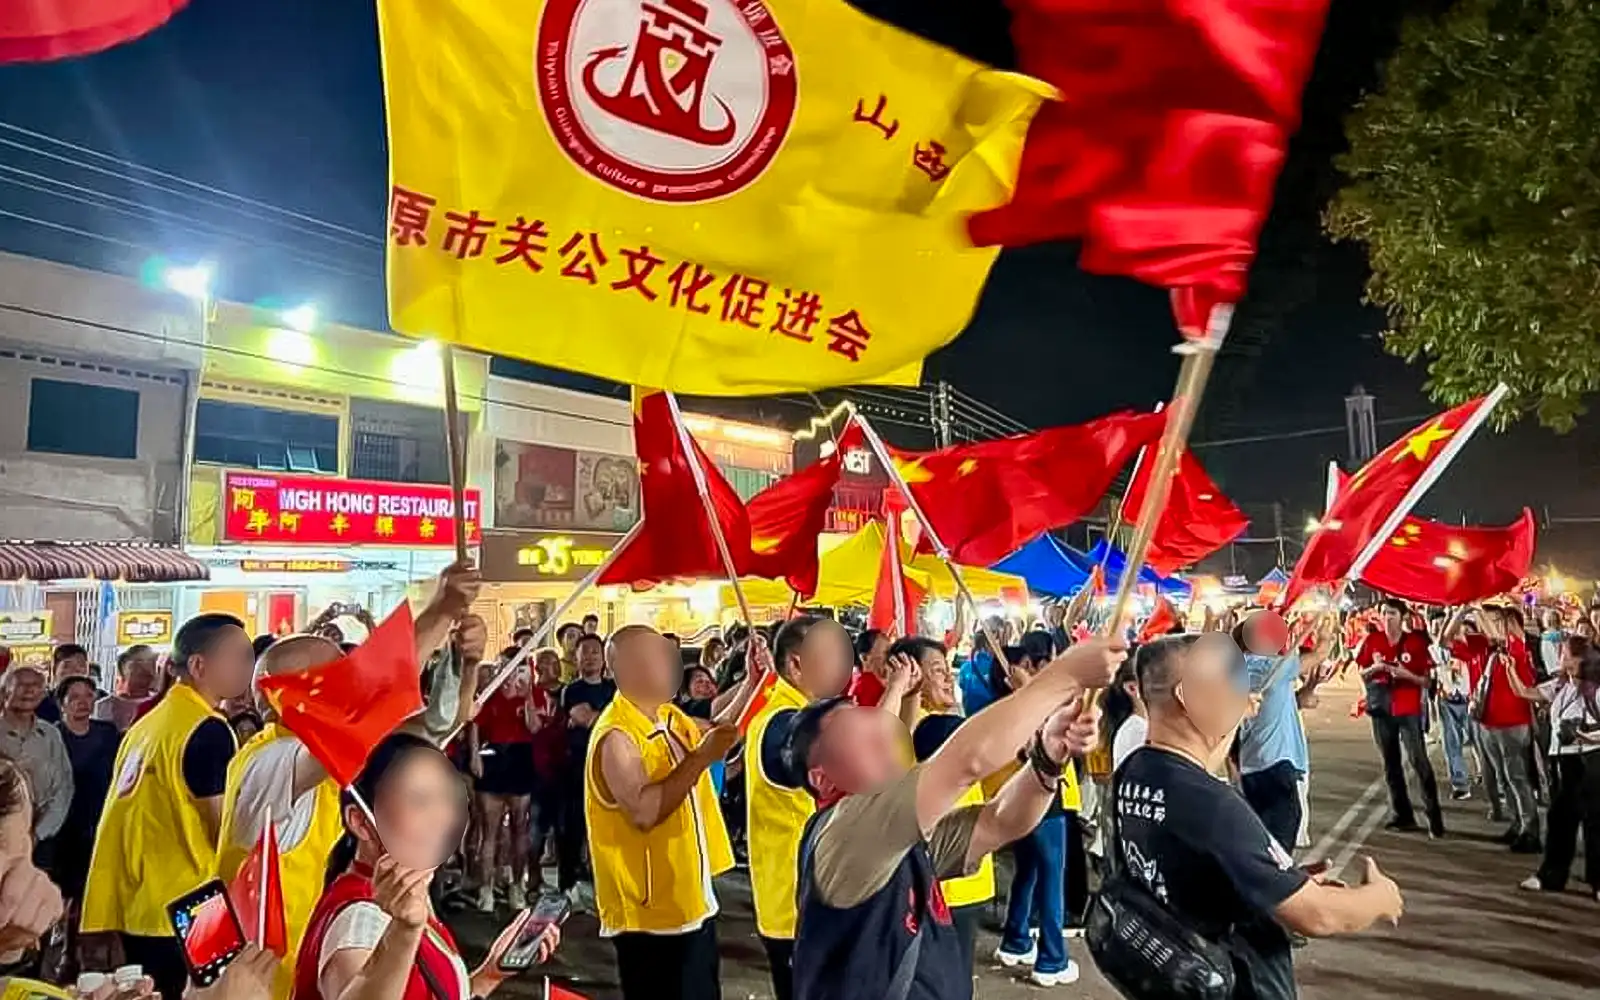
x,y
1198,358
728,565
455,450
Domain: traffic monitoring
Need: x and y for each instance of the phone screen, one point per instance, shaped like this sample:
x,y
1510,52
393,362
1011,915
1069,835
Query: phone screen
x,y
524,948
205,923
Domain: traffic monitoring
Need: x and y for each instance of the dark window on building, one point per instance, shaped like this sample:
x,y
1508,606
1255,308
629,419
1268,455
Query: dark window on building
x,y
71,418
397,443
258,437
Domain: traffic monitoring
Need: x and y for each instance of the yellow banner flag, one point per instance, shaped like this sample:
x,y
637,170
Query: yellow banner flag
x,y
719,197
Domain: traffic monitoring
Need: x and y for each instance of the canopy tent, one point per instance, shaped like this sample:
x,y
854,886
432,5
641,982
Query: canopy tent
x,y
1275,577
1049,567
848,573
1114,559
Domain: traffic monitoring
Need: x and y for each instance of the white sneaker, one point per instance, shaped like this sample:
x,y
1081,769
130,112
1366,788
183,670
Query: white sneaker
x,y
1065,977
486,899
1011,960
1531,884
517,897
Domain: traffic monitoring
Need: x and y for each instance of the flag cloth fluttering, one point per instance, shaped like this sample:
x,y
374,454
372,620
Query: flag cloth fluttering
x,y
676,540
1163,154
341,710
787,518
711,196
257,894
988,499
1369,508
42,30
896,597
1198,520
1161,621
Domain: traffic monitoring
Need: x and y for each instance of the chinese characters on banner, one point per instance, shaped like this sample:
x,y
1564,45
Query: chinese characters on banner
x,y
316,510
722,197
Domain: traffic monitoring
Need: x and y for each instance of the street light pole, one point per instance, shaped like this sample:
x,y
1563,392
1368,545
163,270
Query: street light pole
x,y
194,284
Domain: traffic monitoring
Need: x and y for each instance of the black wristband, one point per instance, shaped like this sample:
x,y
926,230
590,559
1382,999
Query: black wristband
x,y
1040,761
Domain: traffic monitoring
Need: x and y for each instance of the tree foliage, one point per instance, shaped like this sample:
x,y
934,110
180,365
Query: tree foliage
x,y
1474,181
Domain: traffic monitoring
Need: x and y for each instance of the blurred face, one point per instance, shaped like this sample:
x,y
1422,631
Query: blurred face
x,y
421,809
76,665
877,658
826,660
1265,634
591,626
569,639
648,667
293,654
80,702
1569,664
1492,624
591,656
24,690
701,686
1552,621
518,684
224,671
139,673
1586,630
857,751
938,681
1214,689
1392,619
548,666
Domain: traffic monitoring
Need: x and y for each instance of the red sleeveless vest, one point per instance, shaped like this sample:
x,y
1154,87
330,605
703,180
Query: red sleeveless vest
x,y
355,886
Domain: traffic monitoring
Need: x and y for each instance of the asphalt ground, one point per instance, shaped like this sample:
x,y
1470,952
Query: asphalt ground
x,y
1469,933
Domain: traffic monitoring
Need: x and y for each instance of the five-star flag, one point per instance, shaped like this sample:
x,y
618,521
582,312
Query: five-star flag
x,y
988,499
257,894
896,597
341,710
1198,520
1367,512
787,517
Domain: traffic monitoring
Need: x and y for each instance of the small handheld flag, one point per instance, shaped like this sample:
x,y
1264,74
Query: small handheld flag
x,y
257,894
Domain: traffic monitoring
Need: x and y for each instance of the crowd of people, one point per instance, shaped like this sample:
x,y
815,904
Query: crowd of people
x,y
865,780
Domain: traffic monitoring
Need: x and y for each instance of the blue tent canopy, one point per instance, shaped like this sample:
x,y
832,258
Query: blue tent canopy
x,y
1276,576
1050,567
1114,560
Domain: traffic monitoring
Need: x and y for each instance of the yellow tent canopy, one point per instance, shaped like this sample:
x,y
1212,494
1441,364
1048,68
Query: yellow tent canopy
x,y
848,574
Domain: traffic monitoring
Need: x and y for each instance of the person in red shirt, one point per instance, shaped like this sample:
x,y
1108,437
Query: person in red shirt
x,y
872,667
501,743
548,722
1396,665
1507,721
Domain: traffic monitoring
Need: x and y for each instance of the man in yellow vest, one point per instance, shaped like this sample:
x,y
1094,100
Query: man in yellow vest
x,y
814,658
656,836
274,775
158,834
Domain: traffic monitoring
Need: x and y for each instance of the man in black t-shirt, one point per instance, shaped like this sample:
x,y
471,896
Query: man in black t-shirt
x,y
582,700
1194,843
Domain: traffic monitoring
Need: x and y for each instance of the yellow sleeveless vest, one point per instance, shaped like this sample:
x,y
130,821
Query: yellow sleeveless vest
x,y
152,845
776,821
654,881
1071,794
302,867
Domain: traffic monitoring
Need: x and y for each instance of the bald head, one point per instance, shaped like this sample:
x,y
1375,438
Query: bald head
x,y
645,663
291,655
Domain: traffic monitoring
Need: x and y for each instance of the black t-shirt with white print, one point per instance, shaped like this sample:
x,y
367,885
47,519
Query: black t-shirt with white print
x,y
1198,847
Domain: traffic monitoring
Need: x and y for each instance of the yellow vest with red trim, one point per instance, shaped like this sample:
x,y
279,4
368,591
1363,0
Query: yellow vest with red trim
x,y
153,844
655,881
776,821
302,867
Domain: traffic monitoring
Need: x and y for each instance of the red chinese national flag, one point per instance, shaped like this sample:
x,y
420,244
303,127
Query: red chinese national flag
x,y
341,710
788,517
1369,508
676,540
758,701
1198,520
895,598
1441,564
1161,621
988,499
257,894
41,30
1164,151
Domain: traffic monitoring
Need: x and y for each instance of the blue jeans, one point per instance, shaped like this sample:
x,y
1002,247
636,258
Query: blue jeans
x,y
1457,734
1038,889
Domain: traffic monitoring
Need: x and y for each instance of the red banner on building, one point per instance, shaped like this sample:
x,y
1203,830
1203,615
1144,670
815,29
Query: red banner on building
x,y
316,510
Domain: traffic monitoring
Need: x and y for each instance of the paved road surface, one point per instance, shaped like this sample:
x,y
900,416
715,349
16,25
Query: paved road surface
x,y
1468,934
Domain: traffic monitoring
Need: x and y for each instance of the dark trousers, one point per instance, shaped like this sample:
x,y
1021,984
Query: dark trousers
x,y
1077,873
669,966
1575,804
1274,794
573,839
1390,732
780,957
967,918
162,960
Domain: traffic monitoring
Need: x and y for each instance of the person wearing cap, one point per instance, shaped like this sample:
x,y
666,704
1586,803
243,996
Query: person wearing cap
x,y
1274,756
814,659
656,836
38,749
873,920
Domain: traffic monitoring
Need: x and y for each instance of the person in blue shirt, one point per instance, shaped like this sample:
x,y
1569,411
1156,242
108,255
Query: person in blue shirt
x,y
983,680
1273,754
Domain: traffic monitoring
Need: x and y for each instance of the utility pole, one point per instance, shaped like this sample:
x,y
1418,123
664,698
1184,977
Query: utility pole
x,y
1277,530
939,404
1361,427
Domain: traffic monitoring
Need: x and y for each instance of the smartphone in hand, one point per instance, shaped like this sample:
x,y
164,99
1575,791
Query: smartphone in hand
x,y
208,929
531,926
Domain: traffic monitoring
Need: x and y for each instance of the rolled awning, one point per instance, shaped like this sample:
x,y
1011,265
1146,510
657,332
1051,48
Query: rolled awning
x,y
127,562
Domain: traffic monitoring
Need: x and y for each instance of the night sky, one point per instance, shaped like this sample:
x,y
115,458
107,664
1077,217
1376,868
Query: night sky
x,y
282,103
